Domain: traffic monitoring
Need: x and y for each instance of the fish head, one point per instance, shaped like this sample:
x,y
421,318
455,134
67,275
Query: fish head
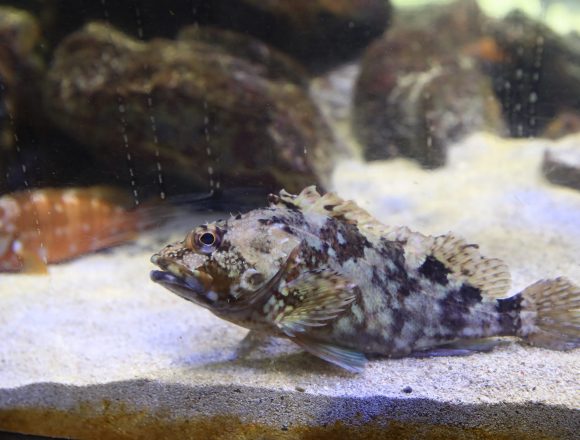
x,y
225,265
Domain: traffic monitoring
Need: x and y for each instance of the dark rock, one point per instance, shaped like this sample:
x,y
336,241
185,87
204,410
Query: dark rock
x,y
20,74
561,166
19,35
419,91
270,63
407,390
142,19
317,32
538,75
186,112
565,123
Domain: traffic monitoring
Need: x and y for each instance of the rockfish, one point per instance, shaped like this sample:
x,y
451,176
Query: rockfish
x,y
325,274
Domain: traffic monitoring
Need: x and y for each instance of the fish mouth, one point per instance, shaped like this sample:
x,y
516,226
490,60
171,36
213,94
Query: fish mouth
x,y
188,284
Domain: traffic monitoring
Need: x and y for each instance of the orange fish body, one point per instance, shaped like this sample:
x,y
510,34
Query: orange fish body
x,y
44,226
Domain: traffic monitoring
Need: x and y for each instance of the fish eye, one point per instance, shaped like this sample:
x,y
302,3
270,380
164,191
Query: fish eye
x,y
203,240
207,238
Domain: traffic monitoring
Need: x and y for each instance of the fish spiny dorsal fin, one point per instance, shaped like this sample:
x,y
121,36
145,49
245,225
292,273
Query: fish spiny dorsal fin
x,y
330,204
307,197
465,263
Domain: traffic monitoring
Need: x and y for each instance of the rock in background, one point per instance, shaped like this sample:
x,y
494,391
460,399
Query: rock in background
x,y
443,72
187,111
561,164
214,107
19,75
319,33
537,75
417,92
32,152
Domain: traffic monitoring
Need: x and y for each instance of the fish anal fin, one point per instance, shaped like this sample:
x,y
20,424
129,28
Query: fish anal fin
x,y
466,264
312,300
351,360
460,348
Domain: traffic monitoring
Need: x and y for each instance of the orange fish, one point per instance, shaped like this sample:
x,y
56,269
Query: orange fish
x,y
44,226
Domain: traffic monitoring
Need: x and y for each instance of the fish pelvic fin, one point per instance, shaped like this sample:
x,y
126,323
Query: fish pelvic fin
x,y
550,314
348,359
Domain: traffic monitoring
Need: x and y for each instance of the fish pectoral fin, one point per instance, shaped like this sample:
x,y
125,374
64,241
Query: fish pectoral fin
x,y
312,299
351,360
262,294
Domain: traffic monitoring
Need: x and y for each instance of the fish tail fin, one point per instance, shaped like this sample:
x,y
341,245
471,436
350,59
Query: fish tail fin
x,y
550,314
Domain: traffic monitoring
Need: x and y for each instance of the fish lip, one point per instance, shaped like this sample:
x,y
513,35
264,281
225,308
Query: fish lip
x,y
169,280
178,278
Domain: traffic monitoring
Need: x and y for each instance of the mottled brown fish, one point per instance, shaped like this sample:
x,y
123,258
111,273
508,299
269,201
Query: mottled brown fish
x,y
323,273
44,226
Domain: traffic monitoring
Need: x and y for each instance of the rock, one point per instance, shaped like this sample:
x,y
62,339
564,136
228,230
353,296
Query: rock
x,y
267,61
21,68
186,112
538,75
320,33
418,91
142,19
561,165
20,79
565,123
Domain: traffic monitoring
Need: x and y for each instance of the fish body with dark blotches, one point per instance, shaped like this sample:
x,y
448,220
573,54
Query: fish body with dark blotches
x,y
325,274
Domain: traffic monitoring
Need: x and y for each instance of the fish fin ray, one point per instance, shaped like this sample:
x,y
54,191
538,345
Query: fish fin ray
x,y
332,205
460,348
351,360
550,315
260,295
490,275
321,295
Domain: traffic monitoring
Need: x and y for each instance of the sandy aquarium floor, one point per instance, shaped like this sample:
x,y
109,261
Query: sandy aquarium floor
x,y
97,328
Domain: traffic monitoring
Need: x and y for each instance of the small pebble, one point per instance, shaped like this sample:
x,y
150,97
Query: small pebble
x,y
299,388
407,389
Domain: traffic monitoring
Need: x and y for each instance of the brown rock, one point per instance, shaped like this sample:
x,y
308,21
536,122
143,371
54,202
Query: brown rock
x,y
418,91
186,112
538,76
565,123
20,73
319,33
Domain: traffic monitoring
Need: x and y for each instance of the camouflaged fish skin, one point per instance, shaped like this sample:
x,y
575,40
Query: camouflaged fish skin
x,y
322,272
